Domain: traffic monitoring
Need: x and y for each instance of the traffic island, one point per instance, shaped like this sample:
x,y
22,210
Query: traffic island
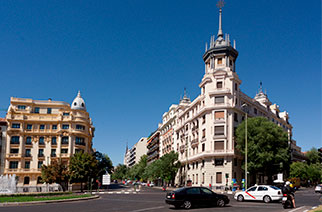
x,y
40,198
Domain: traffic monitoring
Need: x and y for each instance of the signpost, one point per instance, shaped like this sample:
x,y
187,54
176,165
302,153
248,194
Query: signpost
x,y
106,179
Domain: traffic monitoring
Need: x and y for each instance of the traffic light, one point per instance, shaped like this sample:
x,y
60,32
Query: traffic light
x,y
320,154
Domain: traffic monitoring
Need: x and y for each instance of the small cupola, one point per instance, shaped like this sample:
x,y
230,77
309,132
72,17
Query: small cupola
x,y
78,103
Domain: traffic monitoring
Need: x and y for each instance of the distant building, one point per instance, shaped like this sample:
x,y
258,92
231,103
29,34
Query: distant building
x,y
153,146
133,155
43,130
3,139
166,129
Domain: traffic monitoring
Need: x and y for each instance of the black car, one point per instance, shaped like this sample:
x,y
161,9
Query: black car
x,y
188,197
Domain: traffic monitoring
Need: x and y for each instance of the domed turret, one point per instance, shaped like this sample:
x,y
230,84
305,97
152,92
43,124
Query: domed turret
x,y
78,103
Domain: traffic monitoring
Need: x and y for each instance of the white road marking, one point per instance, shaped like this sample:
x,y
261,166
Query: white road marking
x,y
147,209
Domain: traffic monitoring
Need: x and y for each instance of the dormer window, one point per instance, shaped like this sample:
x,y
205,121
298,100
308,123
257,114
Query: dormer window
x,y
219,84
75,104
219,61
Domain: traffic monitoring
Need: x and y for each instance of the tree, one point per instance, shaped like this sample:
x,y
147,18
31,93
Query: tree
x,y
104,164
82,167
120,172
313,156
299,170
56,172
267,146
169,166
314,173
136,172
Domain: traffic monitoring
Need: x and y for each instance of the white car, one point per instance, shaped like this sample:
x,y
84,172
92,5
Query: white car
x,y
266,193
318,188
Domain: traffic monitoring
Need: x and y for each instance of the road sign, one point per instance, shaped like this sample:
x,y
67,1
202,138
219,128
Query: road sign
x,y
106,179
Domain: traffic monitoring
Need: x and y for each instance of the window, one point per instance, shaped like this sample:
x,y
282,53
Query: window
x,y
54,127
205,190
80,127
197,165
219,145
42,127
235,162
219,115
252,189
80,150
28,153
65,114
64,151
219,61
53,141
219,84
193,191
15,125
204,119
41,141
219,99
26,180
255,111
48,110
236,87
203,163
29,126
230,62
41,153
219,162
80,141
203,133
36,110
13,165
203,181
261,188
218,177
235,117
40,164
53,153
27,165
14,140
28,140
196,178
64,140
21,107
14,151
219,130
39,180
65,126
203,147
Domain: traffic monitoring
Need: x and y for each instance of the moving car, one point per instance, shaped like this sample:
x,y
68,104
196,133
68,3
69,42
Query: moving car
x,y
266,193
189,197
318,188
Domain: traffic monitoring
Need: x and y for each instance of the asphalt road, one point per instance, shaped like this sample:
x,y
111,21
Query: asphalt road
x,y
152,199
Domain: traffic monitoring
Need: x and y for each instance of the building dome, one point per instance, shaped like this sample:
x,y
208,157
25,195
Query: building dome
x,y
78,103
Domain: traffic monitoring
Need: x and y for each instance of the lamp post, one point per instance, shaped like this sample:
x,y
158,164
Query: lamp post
x,y
245,106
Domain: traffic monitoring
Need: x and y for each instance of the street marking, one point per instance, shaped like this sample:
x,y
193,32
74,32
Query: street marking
x,y
147,209
250,195
296,209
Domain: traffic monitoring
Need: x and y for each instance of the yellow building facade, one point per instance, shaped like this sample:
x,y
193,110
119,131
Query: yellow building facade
x,y
43,130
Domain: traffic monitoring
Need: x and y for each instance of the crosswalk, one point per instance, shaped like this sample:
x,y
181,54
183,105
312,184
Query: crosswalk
x,y
123,191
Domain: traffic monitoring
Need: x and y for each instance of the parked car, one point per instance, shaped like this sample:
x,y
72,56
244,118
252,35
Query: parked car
x,y
189,197
151,184
266,193
318,188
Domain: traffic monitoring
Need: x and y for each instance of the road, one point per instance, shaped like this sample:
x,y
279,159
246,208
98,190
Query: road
x,y
152,199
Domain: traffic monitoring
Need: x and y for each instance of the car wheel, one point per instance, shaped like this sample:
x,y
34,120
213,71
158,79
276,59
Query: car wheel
x,y
187,204
267,199
220,203
240,198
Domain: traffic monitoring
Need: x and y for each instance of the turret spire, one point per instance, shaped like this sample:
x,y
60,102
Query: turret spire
x,y
220,5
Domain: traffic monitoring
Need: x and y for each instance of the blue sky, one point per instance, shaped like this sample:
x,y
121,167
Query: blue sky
x,y
132,59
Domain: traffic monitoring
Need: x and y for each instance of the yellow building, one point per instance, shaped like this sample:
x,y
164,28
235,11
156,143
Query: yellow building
x,y
42,130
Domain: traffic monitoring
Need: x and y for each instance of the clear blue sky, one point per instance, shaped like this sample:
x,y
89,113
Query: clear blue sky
x,y
132,59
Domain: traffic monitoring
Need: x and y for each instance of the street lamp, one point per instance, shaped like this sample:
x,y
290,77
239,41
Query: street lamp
x,y
245,108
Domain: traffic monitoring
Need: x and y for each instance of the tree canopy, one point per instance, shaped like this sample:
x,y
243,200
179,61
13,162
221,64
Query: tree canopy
x,y
55,172
267,146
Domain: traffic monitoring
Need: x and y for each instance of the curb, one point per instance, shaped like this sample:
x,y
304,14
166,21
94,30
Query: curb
x,y
47,201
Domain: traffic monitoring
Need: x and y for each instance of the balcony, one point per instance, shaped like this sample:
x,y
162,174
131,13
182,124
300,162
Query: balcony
x,y
28,155
80,143
194,142
53,155
41,155
64,142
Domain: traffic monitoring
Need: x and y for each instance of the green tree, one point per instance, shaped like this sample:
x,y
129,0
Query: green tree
x,y
299,170
153,171
82,167
104,164
120,172
267,146
169,166
313,156
314,173
55,172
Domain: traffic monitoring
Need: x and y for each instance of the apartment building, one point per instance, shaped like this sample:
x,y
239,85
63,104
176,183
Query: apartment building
x,y
133,155
153,146
43,130
3,139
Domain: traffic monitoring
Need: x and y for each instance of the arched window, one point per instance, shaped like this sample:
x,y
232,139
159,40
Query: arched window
x,y
26,180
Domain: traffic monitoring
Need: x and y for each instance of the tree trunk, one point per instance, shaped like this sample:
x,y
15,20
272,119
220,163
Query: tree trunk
x,y
82,187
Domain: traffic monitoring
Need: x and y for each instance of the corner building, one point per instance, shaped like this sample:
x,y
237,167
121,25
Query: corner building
x,y
204,132
40,131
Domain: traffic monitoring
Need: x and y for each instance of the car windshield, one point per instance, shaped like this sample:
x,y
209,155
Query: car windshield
x,y
274,187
